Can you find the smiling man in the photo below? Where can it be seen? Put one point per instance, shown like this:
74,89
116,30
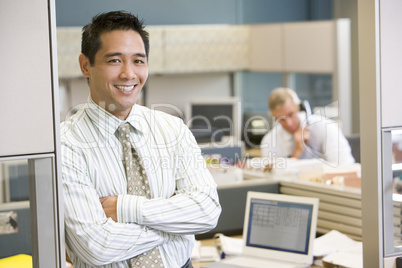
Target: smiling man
118,71
107,222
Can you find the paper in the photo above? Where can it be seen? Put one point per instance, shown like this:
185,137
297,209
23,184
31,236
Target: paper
8,222
351,257
230,245
338,249
195,255
209,253
204,253
332,242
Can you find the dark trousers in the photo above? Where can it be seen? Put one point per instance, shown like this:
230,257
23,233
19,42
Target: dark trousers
188,264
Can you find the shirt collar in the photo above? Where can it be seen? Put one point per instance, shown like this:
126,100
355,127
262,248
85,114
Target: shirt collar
138,119
108,123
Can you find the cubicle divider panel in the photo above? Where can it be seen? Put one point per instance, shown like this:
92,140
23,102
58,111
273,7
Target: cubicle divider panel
340,208
233,202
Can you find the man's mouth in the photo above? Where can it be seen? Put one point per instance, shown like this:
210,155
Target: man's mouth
125,88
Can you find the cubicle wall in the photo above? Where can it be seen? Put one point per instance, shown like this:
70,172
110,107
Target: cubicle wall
339,209
233,201
31,218
380,64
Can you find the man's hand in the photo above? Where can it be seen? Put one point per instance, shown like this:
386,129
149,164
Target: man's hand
301,137
109,204
306,135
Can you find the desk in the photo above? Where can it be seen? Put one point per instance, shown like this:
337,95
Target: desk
253,152
210,242
340,206
206,243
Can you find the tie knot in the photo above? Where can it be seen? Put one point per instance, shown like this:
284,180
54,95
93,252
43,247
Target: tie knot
124,131
125,128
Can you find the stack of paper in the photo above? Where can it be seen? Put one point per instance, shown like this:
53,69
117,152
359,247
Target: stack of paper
230,245
204,253
338,249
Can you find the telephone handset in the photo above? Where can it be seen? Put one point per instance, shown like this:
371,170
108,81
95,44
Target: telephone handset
305,106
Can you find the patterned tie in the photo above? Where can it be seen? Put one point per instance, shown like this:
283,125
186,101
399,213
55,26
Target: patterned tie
137,184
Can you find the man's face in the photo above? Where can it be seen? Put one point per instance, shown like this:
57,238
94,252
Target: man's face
119,72
287,116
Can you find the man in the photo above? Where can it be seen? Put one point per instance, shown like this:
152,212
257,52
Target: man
300,137
105,225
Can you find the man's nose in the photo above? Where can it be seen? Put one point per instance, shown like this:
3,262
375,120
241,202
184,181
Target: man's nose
128,71
288,121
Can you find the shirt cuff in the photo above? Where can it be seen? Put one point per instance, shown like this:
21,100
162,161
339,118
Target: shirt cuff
129,208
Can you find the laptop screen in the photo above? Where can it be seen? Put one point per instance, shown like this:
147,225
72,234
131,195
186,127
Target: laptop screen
279,225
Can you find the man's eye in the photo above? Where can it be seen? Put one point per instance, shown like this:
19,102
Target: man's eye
114,61
139,61
281,118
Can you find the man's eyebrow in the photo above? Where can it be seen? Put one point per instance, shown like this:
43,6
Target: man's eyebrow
114,54
141,55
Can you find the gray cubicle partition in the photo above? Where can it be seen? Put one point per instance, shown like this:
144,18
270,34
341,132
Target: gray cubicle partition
30,134
233,202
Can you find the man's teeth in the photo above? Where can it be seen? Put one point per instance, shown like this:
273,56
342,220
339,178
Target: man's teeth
125,88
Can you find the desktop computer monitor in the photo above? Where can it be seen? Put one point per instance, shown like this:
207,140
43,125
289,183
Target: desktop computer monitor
215,116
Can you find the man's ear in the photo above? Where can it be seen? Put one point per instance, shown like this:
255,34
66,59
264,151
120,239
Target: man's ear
84,65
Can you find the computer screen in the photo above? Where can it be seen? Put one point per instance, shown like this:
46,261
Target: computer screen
219,114
279,225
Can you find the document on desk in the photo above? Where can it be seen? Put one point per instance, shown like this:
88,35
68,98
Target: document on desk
332,242
338,249
351,257
230,245
204,253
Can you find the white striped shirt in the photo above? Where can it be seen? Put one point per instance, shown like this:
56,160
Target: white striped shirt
92,168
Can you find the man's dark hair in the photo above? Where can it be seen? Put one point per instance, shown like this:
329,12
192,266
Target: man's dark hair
107,22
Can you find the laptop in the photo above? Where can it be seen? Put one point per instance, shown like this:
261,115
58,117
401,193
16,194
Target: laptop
279,231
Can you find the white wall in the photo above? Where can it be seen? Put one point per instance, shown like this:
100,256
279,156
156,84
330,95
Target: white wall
176,90
168,93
